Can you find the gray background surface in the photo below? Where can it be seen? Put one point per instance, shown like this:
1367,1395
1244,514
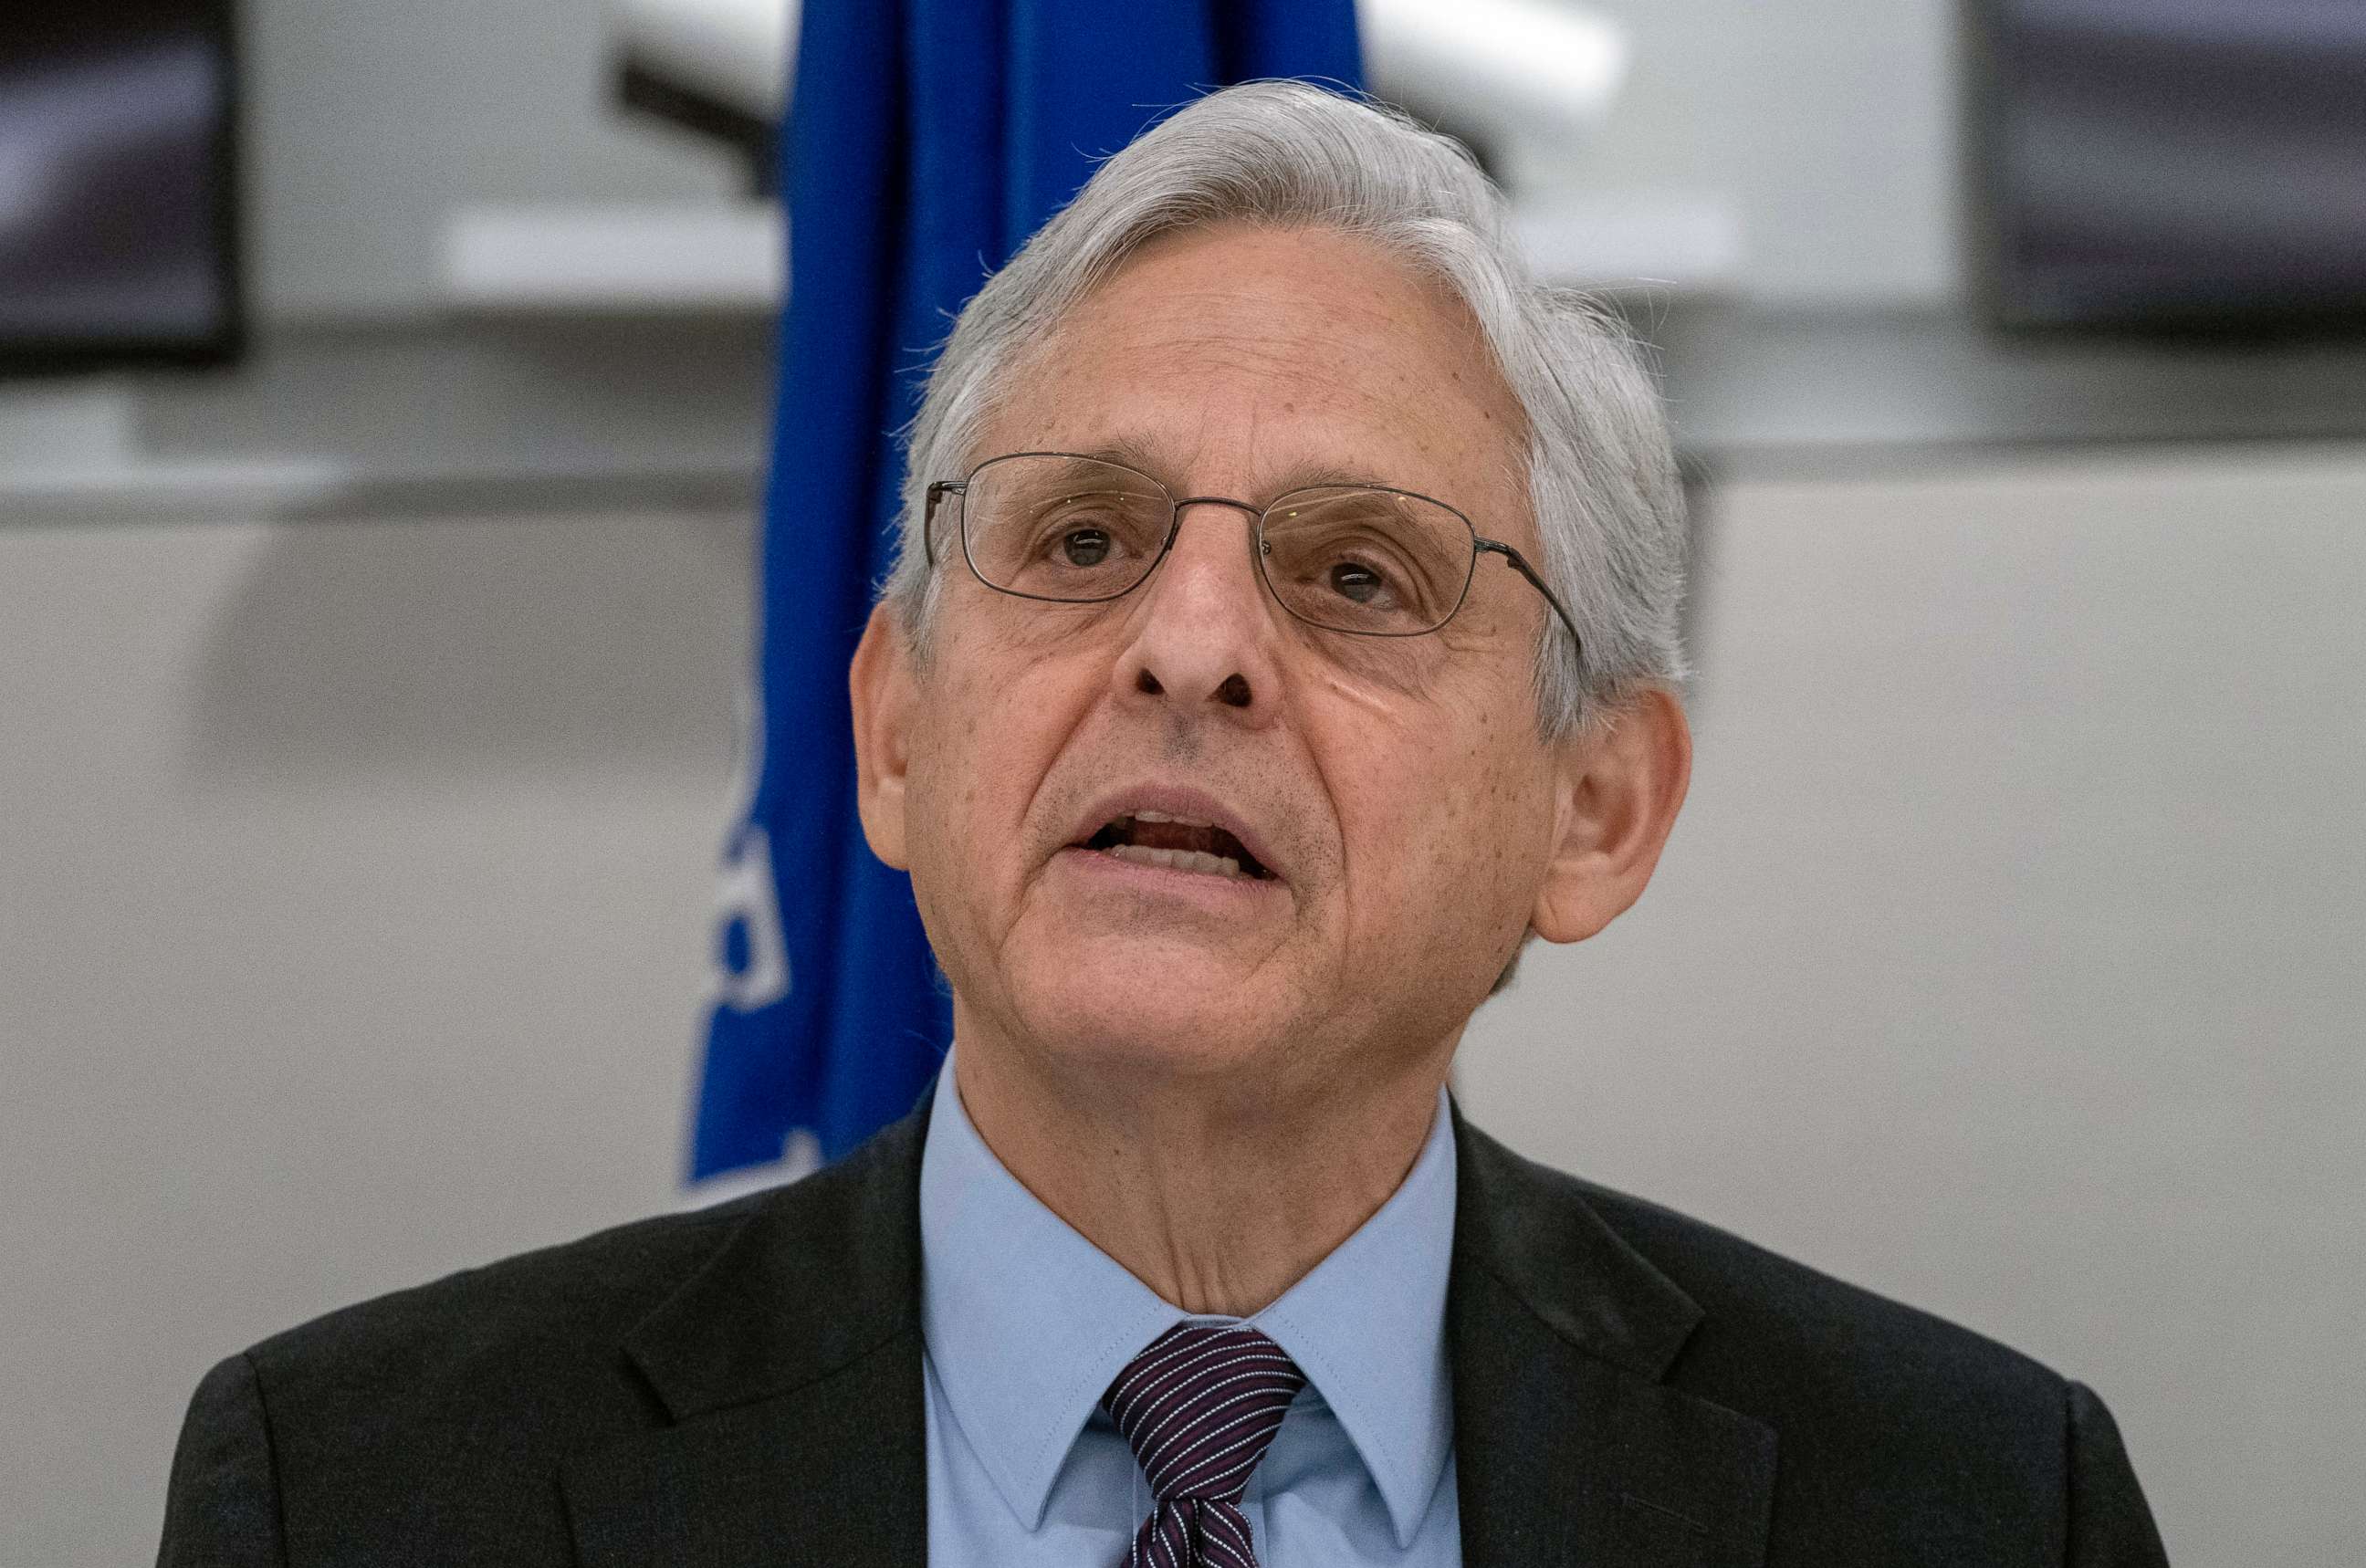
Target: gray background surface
2005,959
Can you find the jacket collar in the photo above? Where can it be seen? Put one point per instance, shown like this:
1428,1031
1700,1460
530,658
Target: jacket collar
789,1367
1568,1444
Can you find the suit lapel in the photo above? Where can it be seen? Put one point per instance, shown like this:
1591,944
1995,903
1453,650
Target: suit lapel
1569,1446
789,1373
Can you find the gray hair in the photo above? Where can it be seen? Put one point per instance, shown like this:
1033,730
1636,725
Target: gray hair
1602,477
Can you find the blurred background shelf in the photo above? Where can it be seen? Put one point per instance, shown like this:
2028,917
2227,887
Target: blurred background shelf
330,421
606,408
584,257
1753,388
531,259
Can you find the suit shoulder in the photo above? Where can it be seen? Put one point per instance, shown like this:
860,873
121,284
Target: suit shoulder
1772,1326
1750,1296
433,1425
483,1327
1903,1437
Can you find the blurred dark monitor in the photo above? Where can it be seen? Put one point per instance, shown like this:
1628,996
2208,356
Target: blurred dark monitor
2172,163
117,211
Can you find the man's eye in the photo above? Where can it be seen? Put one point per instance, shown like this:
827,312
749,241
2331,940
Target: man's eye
1356,582
1085,546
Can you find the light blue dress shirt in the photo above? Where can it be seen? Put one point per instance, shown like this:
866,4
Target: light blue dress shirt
1026,1323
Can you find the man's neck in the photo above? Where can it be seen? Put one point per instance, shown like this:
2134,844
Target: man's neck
1218,1211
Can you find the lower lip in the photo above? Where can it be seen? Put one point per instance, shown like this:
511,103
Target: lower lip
1230,894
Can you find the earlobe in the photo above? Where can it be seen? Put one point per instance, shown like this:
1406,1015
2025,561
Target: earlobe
1618,793
879,686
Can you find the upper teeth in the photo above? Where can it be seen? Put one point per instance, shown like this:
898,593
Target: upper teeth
1163,816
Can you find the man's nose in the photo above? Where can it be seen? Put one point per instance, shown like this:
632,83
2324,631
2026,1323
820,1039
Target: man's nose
1205,635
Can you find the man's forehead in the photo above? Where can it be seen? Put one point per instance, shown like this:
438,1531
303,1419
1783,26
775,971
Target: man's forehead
1284,359
1258,297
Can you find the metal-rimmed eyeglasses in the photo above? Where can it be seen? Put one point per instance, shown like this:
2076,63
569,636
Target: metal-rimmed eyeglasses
1365,559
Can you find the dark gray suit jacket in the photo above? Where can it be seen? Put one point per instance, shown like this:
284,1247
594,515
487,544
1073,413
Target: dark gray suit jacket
741,1388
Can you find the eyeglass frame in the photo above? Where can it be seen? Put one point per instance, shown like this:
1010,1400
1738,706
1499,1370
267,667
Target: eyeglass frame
1480,544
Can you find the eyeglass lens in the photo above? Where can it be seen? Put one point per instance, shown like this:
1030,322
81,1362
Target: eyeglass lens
1376,562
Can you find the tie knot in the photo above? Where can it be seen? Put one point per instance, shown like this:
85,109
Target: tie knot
1200,1406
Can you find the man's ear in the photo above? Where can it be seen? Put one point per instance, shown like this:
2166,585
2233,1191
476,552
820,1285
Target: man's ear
879,683
1619,788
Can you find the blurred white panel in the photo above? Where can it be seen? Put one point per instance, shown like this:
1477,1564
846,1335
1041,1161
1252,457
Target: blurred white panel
691,255
73,426
739,52
1531,78
1672,243
733,257
230,488
76,451
1832,123
371,123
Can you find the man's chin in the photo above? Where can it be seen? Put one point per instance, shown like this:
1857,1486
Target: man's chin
1112,975
1148,1008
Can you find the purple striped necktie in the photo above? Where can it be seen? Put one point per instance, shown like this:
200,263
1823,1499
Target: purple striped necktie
1198,1408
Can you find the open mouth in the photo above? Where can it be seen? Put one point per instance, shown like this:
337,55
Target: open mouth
1179,843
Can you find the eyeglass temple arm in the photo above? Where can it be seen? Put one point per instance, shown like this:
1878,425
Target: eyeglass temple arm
1520,564
938,491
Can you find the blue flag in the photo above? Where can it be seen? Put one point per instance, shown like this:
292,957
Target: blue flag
928,138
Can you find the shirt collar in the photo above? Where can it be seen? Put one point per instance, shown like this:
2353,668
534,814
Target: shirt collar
1027,1322
1367,1327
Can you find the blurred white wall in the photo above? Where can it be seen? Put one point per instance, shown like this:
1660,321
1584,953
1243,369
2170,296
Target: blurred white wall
2006,958
353,879
354,892
1829,124
367,123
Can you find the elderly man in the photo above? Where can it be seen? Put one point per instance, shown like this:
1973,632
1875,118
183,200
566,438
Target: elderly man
1284,634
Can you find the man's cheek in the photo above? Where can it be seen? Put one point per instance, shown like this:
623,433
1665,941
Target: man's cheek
1454,858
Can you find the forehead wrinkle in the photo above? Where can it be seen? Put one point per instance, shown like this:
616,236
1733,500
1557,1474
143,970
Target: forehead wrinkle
1151,441
1168,323
1347,323
1360,367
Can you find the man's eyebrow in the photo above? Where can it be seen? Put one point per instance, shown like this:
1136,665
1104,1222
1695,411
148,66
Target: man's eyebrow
1130,453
